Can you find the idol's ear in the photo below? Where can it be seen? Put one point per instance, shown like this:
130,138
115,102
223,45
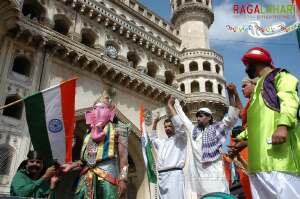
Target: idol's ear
113,113
89,117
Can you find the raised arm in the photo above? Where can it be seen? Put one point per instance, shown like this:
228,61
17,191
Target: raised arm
233,112
123,160
171,103
237,101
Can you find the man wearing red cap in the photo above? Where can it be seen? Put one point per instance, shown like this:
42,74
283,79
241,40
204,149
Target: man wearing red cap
273,138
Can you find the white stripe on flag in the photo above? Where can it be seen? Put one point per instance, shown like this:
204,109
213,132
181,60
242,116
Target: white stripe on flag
144,143
55,124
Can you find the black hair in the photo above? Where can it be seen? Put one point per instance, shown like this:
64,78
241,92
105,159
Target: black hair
168,120
34,155
236,131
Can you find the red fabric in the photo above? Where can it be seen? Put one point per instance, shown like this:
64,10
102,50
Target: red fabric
244,114
298,4
68,112
257,54
227,169
244,180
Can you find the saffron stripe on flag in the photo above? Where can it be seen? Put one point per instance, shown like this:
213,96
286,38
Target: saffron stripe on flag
68,112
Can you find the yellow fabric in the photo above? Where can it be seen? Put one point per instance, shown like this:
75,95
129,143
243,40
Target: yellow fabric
243,135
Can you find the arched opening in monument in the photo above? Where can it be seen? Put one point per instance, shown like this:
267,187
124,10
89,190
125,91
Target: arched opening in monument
34,10
182,87
220,89
22,65
152,69
193,66
209,86
206,66
218,68
62,24
88,37
195,87
181,68
14,111
169,77
133,59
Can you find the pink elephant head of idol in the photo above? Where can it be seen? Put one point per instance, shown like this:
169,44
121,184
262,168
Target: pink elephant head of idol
98,118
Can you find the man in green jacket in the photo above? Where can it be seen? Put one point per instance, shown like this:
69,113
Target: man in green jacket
30,181
273,129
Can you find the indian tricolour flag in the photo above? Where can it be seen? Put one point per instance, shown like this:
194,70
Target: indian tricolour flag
147,149
297,4
50,118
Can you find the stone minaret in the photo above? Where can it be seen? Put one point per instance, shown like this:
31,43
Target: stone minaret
200,73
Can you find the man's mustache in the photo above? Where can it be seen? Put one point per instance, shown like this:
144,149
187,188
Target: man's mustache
34,167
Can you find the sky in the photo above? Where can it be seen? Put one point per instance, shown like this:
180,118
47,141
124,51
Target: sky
284,49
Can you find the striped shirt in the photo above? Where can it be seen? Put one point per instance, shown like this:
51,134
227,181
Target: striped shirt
214,135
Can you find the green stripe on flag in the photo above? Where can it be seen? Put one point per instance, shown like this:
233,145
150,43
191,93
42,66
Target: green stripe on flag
150,162
35,115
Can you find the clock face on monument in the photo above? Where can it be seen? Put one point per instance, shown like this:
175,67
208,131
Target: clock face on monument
111,51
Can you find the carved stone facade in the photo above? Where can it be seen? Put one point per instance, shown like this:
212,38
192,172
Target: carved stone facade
115,45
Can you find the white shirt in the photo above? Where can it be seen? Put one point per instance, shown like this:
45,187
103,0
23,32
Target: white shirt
205,177
171,152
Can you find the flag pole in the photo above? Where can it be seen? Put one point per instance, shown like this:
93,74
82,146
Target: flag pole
20,100
149,189
11,104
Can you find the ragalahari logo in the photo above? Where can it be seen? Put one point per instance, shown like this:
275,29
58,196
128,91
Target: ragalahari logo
257,12
260,10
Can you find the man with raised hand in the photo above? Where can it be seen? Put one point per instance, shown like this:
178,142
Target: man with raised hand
171,155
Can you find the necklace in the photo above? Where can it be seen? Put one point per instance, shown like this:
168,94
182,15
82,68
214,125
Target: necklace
91,153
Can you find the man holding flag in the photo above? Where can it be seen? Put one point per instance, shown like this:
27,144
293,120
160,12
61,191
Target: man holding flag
171,155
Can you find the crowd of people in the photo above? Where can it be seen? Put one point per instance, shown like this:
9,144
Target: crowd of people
264,149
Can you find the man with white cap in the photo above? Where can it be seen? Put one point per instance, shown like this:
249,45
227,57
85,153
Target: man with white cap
206,171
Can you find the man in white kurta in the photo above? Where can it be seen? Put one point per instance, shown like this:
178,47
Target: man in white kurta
206,171
171,155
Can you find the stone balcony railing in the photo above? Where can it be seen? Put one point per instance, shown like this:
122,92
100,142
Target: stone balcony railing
92,60
196,74
206,97
205,53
